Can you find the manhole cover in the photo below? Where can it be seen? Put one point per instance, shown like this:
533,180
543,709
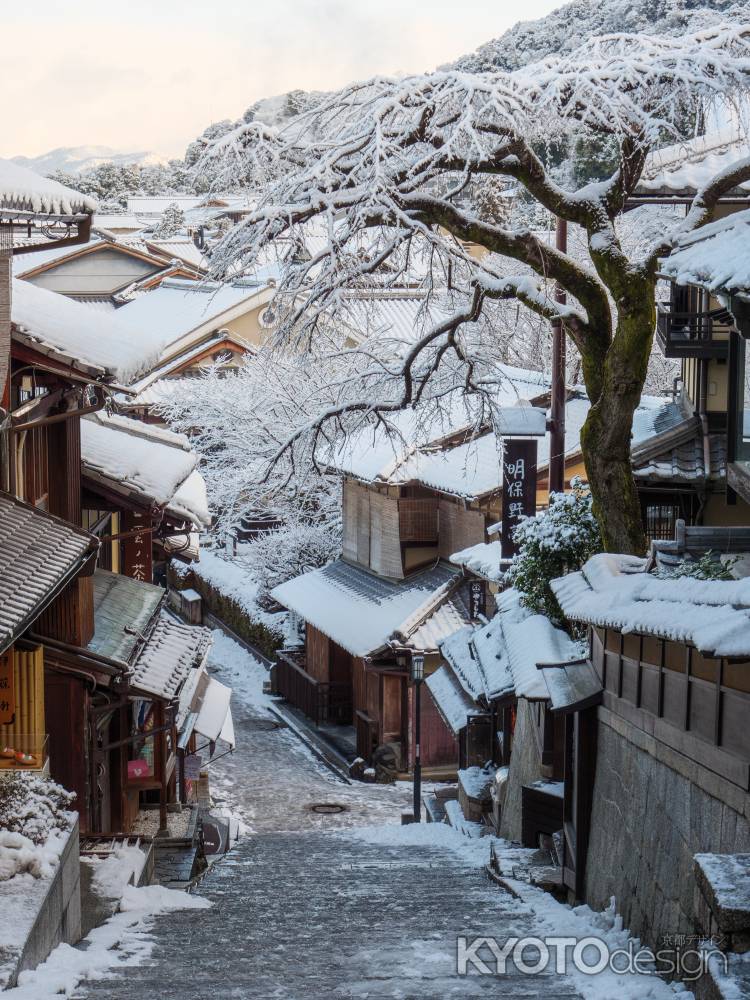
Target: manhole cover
262,725
327,808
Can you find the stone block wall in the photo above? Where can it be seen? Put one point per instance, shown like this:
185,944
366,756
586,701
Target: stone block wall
665,809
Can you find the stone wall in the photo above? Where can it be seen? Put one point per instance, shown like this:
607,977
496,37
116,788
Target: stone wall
525,768
58,918
665,808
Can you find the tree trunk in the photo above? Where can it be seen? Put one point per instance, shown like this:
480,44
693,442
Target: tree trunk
605,443
606,435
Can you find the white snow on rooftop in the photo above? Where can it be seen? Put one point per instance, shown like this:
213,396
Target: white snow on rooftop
191,500
504,653
614,591
360,611
178,308
687,166
178,249
135,456
716,256
96,339
110,222
27,191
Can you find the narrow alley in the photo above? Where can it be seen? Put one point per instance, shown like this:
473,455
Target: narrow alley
307,907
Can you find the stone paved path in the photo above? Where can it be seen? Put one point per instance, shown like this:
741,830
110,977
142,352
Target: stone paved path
303,909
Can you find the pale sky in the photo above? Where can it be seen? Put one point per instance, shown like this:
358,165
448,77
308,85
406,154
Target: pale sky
151,74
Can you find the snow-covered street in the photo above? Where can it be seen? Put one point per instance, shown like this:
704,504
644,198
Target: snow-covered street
339,905
305,906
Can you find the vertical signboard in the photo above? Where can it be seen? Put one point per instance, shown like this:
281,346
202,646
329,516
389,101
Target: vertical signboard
519,489
478,599
7,692
136,546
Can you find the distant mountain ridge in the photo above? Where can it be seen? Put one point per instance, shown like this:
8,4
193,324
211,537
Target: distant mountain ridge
82,159
570,26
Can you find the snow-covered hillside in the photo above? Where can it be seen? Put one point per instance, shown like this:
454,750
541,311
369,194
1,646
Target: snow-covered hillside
566,28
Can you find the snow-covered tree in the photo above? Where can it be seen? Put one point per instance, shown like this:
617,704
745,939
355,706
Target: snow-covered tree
372,161
172,221
238,419
557,541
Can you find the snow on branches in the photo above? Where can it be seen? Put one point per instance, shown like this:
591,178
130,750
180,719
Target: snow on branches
383,174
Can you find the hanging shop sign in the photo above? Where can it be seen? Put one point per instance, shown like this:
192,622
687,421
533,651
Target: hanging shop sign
519,490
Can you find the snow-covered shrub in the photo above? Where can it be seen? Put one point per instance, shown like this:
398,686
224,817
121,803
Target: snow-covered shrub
34,821
33,806
708,567
557,541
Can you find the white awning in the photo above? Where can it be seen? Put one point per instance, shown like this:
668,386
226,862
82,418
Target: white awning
213,711
227,731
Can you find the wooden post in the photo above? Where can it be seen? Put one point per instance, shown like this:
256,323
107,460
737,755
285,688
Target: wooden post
5,297
161,761
557,432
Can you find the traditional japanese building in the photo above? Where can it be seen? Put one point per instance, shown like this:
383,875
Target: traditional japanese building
92,667
394,595
104,272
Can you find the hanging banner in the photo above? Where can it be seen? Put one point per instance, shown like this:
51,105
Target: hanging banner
7,689
519,490
136,548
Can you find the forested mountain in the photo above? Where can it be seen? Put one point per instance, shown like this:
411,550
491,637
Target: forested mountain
568,27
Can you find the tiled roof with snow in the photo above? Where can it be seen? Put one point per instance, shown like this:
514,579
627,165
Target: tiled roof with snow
27,191
483,559
687,166
191,500
467,470
111,222
452,701
504,653
715,257
171,651
99,341
139,458
179,249
614,592
362,612
178,308
39,553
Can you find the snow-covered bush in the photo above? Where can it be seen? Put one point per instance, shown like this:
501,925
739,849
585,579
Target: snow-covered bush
34,819
33,806
707,567
557,541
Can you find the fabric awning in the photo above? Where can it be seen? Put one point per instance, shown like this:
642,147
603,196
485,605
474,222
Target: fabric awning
453,703
213,710
227,731
572,686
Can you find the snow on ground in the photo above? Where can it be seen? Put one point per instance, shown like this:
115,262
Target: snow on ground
113,873
120,942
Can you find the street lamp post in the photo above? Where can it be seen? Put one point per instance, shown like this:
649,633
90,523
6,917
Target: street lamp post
417,676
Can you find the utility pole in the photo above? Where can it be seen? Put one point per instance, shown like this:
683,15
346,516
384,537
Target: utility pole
557,423
417,676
